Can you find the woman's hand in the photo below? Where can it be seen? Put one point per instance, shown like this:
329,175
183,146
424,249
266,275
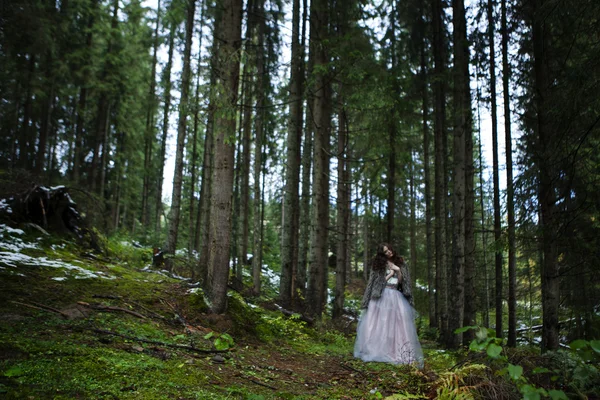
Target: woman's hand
393,267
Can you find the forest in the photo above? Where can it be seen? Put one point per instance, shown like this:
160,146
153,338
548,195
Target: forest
235,165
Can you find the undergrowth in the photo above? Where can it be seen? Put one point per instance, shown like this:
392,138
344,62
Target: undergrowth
109,326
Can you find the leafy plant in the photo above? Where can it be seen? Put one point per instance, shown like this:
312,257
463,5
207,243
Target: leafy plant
223,341
485,339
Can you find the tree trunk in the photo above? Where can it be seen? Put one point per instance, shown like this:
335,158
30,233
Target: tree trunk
413,219
462,122
289,251
427,176
550,267
439,132
496,175
258,153
248,91
171,244
221,196
307,152
193,228
321,115
510,205
46,119
103,108
149,133
208,163
342,212
165,130
25,158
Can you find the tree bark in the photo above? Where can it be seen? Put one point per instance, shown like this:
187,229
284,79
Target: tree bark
165,129
258,154
343,212
289,251
321,116
427,174
173,231
221,197
546,197
149,132
462,122
496,175
510,205
439,193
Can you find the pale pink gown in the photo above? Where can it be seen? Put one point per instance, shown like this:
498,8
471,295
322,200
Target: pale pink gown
386,330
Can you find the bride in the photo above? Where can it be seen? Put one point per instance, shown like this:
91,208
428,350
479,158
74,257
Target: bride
386,331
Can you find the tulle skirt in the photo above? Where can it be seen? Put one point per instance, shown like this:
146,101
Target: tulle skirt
386,331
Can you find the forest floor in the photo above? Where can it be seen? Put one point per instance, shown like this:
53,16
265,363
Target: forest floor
79,325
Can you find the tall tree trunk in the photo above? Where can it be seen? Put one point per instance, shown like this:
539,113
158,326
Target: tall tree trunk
289,251
439,133
149,132
427,176
413,218
221,196
307,152
496,175
171,244
462,122
484,266
208,162
258,153
193,228
342,212
25,158
165,130
46,120
105,153
248,91
550,267
321,116
103,108
510,205
470,294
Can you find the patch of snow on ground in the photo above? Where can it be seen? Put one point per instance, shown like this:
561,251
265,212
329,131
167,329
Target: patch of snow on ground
11,256
10,242
18,259
5,207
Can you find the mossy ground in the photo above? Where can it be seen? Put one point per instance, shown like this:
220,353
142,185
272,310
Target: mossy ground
75,325
46,354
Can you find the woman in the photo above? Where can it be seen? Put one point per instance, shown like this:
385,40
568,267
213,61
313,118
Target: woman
386,331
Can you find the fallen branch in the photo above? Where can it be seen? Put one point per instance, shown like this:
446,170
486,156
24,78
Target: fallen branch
102,307
289,313
42,307
260,383
352,369
173,345
148,310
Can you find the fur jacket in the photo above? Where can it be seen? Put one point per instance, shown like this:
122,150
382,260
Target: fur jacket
377,283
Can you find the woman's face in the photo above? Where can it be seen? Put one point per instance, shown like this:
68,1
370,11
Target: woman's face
389,253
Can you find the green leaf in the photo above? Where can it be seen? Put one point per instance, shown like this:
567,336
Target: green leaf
476,346
530,392
515,371
494,350
578,344
481,334
209,335
557,395
14,371
595,345
464,329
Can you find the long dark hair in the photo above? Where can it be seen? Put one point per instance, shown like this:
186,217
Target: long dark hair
381,259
